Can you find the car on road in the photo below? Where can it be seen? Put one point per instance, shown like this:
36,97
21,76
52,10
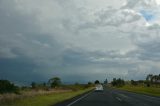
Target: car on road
98,87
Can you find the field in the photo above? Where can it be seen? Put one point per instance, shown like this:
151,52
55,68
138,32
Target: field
41,99
154,91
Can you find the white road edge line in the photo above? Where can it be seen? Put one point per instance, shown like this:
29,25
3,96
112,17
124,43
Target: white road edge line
79,99
119,99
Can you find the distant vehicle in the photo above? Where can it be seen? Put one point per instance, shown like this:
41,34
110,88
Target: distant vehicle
99,87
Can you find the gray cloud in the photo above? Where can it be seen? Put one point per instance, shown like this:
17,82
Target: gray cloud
140,4
77,40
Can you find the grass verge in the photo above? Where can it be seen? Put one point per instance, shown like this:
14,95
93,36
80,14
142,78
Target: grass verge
153,91
45,100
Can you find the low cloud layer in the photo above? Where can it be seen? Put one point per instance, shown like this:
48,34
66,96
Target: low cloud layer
80,40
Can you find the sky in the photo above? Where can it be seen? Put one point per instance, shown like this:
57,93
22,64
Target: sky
79,40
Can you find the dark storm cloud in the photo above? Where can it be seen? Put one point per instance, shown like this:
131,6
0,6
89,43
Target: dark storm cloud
20,70
24,49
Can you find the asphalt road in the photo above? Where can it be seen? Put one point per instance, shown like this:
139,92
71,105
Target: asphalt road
110,97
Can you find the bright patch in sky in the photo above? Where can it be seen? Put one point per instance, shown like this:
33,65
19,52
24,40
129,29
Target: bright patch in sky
148,15
158,2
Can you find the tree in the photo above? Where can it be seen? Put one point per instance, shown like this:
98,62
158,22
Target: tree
44,84
33,85
89,83
55,82
118,82
76,83
96,82
149,80
134,82
149,77
114,82
8,87
106,81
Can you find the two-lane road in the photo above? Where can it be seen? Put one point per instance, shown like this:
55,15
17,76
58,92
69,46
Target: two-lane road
111,97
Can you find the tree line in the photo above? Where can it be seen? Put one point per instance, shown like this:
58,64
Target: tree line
151,80
56,82
53,83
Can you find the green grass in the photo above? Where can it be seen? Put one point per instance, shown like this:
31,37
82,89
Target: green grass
153,91
45,100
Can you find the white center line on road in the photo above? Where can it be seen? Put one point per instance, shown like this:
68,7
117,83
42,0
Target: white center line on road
79,99
119,99
123,95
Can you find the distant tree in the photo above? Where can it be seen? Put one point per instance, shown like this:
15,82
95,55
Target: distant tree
134,82
44,84
76,83
55,82
8,87
118,82
149,80
114,82
141,81
33,85
156,79
106,81
89,83
149,77
97,82
152,80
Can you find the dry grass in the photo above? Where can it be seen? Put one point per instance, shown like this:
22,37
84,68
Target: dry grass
10,97
39,98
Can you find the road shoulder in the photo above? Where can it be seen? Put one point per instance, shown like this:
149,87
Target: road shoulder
72,100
